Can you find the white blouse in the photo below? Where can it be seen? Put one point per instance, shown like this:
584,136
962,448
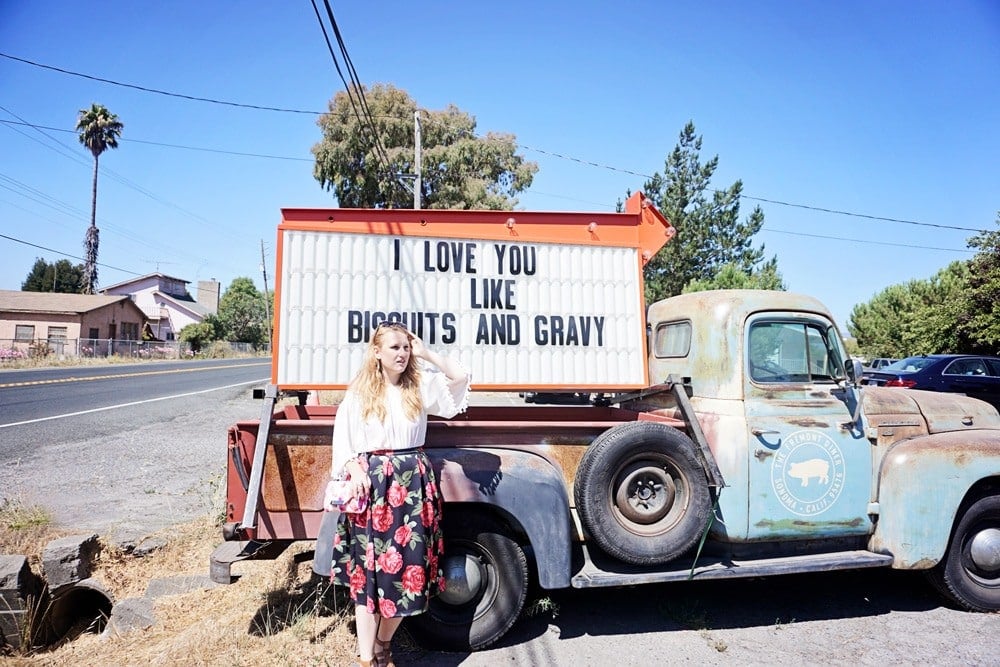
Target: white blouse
352,436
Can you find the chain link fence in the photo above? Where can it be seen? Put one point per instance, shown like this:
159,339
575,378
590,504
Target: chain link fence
62,348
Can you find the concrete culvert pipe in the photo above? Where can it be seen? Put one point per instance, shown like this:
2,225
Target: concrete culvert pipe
75,609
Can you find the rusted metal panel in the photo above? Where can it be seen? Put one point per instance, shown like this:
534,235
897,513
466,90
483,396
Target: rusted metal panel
921,485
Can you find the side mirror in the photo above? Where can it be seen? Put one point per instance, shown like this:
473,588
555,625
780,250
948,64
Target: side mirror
854,372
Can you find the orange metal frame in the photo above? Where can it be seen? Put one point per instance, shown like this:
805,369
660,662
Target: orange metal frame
641,226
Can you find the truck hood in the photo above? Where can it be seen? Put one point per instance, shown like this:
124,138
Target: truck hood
941,412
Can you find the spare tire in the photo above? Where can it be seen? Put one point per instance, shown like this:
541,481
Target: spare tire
642,494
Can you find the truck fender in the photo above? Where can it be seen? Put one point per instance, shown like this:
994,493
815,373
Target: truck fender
922,483
526,487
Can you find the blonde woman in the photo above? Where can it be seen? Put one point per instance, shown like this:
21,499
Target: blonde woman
388,553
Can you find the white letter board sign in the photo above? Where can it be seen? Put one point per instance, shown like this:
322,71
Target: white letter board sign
518,314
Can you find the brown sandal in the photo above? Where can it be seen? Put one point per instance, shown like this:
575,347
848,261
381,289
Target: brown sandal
383,653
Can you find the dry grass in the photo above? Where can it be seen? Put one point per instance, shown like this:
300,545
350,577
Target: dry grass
51,361
278,612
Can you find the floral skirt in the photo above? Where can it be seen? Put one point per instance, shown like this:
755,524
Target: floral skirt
389,554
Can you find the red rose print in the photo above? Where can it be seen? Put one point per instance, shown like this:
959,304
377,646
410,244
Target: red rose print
360,519
427,514
381,517
387,608
396,495
414,579
387,467
430,489
357,581
370,606
370,556
391,561
403,535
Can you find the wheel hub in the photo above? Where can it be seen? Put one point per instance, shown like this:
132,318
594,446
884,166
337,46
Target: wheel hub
645,494
984,550
463,578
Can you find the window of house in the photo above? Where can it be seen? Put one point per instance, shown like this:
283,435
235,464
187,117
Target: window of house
57,333
24,332
130,331
93,332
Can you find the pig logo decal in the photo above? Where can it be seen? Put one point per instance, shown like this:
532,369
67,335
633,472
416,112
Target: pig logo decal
808,472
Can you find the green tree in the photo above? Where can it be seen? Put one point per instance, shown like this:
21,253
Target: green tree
979,328
200,334
458,169
99,130
60,276
709,232
241,313
731,276
918,317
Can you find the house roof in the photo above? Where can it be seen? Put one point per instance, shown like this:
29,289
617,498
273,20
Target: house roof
55,302
132,281
188,303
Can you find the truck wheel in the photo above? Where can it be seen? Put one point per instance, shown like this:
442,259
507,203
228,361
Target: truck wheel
486,583
642,494
969,575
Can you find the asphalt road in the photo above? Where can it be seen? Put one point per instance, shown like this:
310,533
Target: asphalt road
123,450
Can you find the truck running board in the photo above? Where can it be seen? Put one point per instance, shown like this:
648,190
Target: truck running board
621,574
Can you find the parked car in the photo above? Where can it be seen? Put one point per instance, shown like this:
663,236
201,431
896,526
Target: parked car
879,363
975,376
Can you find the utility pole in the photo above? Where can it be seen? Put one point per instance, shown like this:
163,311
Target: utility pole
416,158
267,305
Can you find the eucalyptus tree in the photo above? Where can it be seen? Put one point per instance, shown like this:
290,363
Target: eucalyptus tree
367,155
99,130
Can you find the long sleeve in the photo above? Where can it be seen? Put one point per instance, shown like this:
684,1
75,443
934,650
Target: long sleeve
345,430
442,396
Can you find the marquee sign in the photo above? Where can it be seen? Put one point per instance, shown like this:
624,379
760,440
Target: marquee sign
525,300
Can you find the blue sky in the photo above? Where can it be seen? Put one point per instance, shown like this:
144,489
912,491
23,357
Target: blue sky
886,109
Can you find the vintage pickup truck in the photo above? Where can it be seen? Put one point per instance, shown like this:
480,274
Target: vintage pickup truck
752,451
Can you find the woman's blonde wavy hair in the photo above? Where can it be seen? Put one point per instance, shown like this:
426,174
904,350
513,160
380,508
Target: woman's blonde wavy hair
369,383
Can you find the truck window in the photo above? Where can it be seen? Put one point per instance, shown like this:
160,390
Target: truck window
672,339
793,352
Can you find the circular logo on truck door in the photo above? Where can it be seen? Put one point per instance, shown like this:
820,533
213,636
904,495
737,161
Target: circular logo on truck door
808,472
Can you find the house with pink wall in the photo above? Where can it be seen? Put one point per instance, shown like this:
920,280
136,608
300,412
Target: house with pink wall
167,303
55,319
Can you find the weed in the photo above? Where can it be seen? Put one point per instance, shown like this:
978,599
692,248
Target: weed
543,605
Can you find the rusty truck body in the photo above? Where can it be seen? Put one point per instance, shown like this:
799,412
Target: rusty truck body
751,450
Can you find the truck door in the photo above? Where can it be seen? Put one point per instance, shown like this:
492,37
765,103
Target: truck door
809,470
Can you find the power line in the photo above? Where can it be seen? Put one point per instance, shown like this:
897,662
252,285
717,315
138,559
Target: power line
353,88
158,143
156,91
59,252
383,159
865,241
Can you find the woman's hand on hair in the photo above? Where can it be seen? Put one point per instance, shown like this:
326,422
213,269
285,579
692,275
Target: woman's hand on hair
417,348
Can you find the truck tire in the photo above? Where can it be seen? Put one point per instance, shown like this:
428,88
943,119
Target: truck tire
642,494
969,574
486,576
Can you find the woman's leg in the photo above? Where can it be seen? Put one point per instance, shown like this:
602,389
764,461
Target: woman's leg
367,624
383,640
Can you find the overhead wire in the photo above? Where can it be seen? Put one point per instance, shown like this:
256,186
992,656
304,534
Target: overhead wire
562,156
353,88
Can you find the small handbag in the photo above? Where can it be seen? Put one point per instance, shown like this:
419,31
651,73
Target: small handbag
339,497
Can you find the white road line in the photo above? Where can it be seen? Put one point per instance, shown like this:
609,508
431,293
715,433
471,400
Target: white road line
126,405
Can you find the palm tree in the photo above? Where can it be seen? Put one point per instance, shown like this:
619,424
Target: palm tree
99,130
